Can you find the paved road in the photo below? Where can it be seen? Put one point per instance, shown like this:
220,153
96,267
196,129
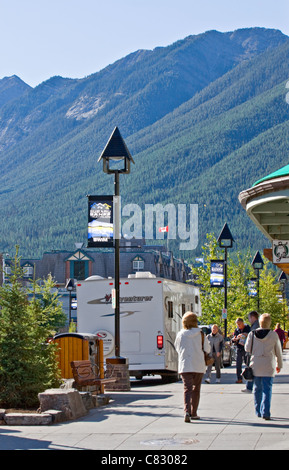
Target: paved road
150,418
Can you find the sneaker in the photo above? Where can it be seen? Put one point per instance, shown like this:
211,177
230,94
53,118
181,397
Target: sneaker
239,381
187,418
245,390
208,381
195,417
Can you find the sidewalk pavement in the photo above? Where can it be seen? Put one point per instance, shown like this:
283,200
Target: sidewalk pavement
150,418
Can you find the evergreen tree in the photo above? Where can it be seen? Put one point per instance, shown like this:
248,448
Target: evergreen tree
28,363
46,303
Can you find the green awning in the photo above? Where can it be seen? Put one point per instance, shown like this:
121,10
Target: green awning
282,172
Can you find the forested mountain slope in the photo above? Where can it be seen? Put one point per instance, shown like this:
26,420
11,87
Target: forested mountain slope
203,118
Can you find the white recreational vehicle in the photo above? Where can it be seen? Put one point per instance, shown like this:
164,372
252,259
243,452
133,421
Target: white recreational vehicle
151,310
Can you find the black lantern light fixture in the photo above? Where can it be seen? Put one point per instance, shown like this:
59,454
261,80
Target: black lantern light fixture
116,157
257,262
69,287
225,238
282,278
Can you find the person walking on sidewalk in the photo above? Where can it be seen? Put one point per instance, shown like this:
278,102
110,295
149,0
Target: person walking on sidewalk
216,341
191,362
266,348
239,338
281,334
253,318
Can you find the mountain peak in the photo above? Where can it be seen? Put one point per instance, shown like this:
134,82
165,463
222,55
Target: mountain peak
11,88
257,39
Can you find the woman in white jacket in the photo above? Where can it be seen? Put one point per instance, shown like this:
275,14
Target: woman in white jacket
192,365
266,348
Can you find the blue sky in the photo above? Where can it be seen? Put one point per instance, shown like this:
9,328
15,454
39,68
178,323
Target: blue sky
73,38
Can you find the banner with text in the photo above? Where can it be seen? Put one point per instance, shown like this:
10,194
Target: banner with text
217,275
100,221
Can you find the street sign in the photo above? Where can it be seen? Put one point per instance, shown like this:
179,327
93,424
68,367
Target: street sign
280,251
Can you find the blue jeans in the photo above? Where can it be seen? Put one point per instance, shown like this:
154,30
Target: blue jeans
249,385
262,396
239,361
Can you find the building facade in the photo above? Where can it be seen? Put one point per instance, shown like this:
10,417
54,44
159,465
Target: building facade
81,263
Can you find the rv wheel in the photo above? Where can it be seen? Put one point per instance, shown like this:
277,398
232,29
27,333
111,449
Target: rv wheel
138,376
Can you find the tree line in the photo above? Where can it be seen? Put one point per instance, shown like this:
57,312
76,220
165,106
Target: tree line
239,302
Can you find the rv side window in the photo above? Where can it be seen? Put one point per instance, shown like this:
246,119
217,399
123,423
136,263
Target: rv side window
170,309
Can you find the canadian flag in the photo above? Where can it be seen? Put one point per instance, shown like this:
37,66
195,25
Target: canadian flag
164,229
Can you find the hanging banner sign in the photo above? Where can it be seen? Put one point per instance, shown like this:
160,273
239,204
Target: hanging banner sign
252,287
280,251
100,221
217,275
113,298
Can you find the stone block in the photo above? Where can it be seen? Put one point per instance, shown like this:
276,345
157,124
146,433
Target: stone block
57,415
28,419
68,401
87,400
120,373
101,400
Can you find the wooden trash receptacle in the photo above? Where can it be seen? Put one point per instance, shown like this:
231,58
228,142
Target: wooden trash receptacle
74,347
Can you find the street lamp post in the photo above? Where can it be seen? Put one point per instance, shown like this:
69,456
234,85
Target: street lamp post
283,281
258,264
225,241
116,159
